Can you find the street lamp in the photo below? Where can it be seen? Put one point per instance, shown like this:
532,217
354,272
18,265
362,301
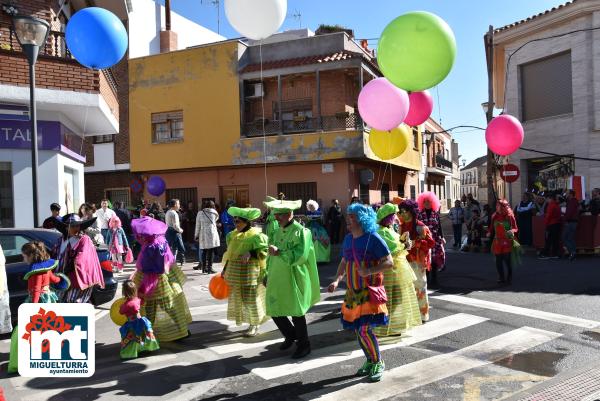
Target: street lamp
32,33
486,107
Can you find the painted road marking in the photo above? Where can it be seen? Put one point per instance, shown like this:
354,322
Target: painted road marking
472,386
339,353
517,310
429,370
101,314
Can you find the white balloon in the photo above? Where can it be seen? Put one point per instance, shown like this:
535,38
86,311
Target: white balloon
256,19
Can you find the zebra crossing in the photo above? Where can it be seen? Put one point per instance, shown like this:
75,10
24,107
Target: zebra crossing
217,360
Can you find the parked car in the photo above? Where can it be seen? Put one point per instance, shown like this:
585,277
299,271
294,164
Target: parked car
12,239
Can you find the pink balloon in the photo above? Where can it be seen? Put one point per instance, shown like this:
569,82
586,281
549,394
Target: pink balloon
504,135
382,105
421,106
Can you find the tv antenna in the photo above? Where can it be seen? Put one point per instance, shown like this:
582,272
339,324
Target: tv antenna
217,4
297,16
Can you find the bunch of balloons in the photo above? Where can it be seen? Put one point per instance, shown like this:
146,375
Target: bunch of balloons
416,52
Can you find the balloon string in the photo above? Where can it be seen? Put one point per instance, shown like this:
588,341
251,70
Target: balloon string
262,101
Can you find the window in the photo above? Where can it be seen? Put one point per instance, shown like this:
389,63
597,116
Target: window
415,133
422,186
11,246
167,127
299,190
413,192
118,195
546,87
104,139
385,193
401,190
7,217
363,193
184,195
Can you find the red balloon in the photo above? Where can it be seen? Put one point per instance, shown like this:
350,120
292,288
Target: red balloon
421,106
504,135
218,287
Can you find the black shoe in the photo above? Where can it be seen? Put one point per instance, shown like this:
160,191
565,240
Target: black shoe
198,267
287,344
210,270
501,280
301,351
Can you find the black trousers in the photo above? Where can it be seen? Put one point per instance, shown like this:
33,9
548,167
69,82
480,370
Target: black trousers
501,260
207,257
552,246
298,331
457,229
334,232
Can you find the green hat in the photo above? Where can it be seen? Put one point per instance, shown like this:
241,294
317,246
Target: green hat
248,213
283,206
268,199
385,210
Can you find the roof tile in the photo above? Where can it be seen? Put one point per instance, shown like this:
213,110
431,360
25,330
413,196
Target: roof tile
528,19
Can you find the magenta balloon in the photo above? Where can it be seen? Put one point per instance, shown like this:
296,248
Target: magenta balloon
382,105
504,135
421,106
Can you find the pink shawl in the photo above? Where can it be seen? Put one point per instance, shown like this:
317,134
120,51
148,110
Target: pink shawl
88,272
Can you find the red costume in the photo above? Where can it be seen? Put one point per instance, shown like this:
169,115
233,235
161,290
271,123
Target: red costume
422,242
501,224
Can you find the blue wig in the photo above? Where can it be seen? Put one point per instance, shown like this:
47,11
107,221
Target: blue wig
365,215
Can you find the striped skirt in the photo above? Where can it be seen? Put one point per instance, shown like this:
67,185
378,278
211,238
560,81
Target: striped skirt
403,306
75,295
247,304
167,307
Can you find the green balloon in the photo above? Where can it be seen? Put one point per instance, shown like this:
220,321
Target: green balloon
416,51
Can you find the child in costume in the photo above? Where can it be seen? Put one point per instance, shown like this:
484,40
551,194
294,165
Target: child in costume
504,246
160,282
419,255
117,243
78,259
319,233
41,286
245,269
429,206
293,280
402,304
136,334
365,259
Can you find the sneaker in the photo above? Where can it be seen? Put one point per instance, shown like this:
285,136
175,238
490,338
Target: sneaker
543,257
287,344
365,369
301,351
376,372
252,331
572,257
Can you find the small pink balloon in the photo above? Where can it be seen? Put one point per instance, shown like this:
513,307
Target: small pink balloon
421,106
504,135
382,105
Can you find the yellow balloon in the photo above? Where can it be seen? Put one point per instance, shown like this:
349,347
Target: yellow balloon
115,315
388,145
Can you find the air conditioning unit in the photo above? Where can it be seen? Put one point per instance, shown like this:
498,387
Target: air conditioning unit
254,90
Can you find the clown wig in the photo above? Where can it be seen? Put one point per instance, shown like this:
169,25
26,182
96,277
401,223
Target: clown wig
115,222
312,205
365,215
432,198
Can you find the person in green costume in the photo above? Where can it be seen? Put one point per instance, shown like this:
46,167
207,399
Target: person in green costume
245,269
402,303
293,280
271,225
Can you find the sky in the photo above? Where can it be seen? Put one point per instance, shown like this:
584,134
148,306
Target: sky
465,88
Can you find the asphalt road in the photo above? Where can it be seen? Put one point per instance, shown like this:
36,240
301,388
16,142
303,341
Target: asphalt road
484,342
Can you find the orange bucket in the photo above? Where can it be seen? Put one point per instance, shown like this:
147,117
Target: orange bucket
218,287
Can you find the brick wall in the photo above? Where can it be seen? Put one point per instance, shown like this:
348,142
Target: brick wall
96,183
109,95
121,73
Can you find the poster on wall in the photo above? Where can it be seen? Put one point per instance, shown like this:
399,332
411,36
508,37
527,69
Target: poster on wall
550,173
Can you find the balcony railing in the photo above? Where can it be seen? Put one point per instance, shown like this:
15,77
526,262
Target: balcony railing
338,122
56,45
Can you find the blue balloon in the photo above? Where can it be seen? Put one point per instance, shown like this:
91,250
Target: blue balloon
96,38
155,186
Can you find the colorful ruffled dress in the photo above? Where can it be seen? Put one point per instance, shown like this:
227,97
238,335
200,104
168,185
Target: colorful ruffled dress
247,294
402,304
136,334
419,257
320,237
41,286
357,309
160,282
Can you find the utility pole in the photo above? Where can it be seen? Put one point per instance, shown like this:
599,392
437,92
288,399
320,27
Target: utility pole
491,162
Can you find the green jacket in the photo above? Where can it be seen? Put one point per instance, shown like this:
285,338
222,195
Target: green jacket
293,279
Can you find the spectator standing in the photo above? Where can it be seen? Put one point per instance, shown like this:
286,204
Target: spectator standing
174,231
552,220
571,220
524,213
457,217
51,222
104,214
207,235
334,221
595,202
